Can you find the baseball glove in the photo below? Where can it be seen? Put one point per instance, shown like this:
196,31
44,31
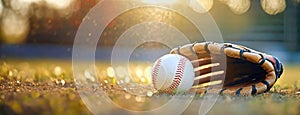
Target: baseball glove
238,69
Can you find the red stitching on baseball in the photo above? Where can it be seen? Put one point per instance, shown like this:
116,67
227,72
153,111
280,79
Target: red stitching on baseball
178,75
155,72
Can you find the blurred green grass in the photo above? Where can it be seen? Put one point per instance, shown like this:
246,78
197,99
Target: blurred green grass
47,87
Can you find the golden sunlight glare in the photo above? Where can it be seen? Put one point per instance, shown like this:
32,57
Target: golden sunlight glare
139,72
147,74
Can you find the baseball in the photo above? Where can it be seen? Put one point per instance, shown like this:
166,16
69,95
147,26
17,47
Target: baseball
172,73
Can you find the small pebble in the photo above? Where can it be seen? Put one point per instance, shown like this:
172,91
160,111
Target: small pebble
149,93
63,82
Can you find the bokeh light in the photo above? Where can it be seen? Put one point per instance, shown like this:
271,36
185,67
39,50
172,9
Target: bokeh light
41,16
110,72
18,16
22,7
1,7
14,27
127,96
57,71
239,6
139,72
59,4
273,7
120,72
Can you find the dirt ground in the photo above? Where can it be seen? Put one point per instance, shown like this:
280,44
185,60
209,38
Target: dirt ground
47,87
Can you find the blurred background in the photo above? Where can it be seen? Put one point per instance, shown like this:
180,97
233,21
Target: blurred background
37,36
45,29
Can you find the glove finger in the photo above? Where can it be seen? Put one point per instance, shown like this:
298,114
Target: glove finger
247,71
201,62
211,77
188,52
202,70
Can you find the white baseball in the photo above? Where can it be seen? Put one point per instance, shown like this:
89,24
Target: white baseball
172,73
